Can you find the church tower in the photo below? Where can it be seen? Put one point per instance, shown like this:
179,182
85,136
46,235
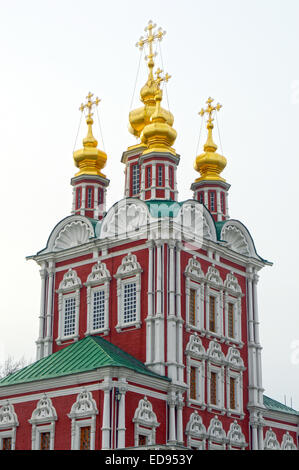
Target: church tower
148,326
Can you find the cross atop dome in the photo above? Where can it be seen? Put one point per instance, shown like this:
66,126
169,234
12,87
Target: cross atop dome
151,37
89,104
210,109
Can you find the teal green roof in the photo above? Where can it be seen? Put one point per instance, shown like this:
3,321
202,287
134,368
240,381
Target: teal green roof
163,208
219,226
274,405
90,353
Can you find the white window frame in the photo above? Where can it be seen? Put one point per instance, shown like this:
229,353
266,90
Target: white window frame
145,426
128,272
218,295
69,287
238,376
195,280
43,420
37,430
219,371
8,424
228,299
195,437
83,414
98,280
200,382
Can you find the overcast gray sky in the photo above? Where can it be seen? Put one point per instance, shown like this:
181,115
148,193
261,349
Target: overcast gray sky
245,54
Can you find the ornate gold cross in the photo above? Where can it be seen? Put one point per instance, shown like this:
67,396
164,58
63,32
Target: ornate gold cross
161,79
89,104
210,109
150,38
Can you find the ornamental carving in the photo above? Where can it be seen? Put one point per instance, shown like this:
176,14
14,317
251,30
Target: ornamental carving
235,239
213,276
145,415
44,411
129,265
195,427
216,431
85,406
8,417
234,359
70,281
193,221
231,282
235,435
99,274
288,442
195,348
193,269
215,353
125,217
271,442
73,234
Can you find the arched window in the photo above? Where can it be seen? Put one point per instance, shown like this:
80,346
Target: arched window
97,285
145,424
128,292
43,425
8,427
68,306
83,416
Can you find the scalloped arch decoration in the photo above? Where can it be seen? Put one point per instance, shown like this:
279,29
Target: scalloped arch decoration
73,234
125,217
235,239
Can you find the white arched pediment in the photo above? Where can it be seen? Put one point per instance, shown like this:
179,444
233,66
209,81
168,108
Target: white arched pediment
144,414
84,406
8,417
235,436
196,221
195,427
70,232
125,217
195,348
271,442
44,411
238,238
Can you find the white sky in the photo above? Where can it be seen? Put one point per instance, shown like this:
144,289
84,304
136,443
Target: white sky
242,53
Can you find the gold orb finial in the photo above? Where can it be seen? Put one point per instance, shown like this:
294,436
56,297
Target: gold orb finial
210,164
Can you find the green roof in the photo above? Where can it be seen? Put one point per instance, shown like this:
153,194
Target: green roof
90,353
274,405
163,208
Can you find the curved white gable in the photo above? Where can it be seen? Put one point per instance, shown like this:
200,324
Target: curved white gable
127,216
238,238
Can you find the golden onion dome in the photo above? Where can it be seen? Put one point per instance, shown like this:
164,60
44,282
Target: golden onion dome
210,164
90,160
158,135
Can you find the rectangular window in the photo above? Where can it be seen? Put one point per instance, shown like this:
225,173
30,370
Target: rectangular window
148,176
193,383
192,306
212,201
78,198
100,196
98,310
213,388
142,440
222,203
201,198
160,175
6,443
135,186
171,177
89,198
231,332
232,393
130,301
85,438
69,316
212,324
45,441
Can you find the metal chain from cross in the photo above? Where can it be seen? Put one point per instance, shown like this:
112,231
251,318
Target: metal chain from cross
210,109
89,104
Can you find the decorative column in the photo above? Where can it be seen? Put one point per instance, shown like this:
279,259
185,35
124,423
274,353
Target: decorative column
180,404
121,429
150,304
49,339
171,318
106,425
171,400
39,343
180,322
159,316
257,341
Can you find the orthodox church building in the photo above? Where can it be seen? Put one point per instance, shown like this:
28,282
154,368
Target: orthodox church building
148,325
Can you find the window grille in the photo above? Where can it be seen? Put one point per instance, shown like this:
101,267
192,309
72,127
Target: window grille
129,302
69,316
98,320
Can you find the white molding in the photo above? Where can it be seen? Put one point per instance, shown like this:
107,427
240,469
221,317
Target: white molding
145,422
83,414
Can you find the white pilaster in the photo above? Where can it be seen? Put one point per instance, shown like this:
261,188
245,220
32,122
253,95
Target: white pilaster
49,339
42,317
106,425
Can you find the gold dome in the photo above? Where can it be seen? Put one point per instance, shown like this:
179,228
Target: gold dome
90,160
158,135
210,164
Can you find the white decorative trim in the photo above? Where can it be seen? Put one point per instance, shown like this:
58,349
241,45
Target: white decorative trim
195,280
73,234
271,442
145,422
213,277
43,420
68,288
216,435
129,272
234,359
288,442
8,424
98,280
236,437
196,432
84,407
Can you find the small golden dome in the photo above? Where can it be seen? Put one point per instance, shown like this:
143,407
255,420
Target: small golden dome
210,164
158,135
90,160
